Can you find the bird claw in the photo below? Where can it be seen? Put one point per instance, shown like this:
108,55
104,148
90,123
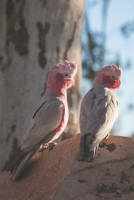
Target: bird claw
51,145
48,146
107,136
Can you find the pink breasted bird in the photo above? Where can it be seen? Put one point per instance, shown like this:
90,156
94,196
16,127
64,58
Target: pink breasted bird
99,110
51,116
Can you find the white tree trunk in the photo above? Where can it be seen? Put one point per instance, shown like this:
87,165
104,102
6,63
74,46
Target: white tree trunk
34,36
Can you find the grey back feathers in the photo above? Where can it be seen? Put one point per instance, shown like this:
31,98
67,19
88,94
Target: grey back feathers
45,120
99,110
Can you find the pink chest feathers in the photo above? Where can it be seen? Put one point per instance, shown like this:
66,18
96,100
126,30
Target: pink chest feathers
64,121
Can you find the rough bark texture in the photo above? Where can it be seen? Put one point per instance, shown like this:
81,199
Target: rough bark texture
34,36
57,174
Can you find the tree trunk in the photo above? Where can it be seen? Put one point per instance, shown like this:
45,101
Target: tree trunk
34,36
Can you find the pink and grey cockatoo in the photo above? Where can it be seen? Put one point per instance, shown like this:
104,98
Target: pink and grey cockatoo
99,110
50,118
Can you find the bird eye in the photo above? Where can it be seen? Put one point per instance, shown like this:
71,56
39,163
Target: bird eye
113,77
66,75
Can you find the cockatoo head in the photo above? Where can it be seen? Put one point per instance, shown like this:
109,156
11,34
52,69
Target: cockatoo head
109,76
62,75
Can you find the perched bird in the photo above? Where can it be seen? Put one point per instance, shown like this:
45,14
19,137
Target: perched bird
99,110
51,116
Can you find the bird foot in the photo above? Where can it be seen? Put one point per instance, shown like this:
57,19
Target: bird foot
51,145
107,136
48,146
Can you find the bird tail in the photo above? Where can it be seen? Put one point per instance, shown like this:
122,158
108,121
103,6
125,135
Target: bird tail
90,154
19,165
87,149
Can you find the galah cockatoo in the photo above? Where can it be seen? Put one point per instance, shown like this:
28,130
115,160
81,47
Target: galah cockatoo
51,116
99,110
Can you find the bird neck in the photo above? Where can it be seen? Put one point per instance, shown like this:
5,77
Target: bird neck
56,86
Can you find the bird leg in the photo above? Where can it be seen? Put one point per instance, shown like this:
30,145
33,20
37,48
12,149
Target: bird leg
48,146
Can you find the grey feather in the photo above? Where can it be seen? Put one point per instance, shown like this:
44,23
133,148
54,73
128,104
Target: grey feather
20,164
99,111
45,120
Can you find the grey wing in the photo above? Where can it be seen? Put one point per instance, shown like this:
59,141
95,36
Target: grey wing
99,111
45,120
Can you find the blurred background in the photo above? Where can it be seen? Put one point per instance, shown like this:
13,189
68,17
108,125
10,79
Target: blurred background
37,34
108,37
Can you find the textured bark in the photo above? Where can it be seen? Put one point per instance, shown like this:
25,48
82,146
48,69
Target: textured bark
34,36
57,174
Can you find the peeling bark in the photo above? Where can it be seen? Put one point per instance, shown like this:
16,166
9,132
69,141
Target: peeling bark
16,28
70,41
34,36
42,42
